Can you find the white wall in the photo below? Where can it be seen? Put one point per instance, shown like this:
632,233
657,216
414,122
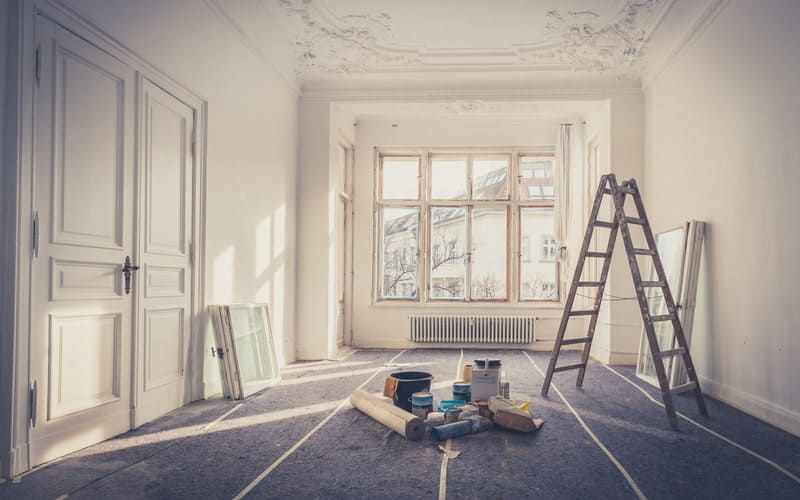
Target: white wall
251,148
722,146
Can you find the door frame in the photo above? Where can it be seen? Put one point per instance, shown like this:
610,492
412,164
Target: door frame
16,221
347,234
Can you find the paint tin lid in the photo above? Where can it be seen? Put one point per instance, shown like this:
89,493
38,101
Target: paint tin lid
493,363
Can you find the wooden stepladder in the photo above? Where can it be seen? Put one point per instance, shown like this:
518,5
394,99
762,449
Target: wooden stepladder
609,187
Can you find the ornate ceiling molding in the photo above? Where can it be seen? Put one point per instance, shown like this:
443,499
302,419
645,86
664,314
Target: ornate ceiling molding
579,41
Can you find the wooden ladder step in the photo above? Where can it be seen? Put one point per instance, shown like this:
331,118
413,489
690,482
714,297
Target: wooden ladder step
590,312
636,220
590,283
672,352
568,367
600,255
653,284
662,317
579,340
602,223
644,251
683,388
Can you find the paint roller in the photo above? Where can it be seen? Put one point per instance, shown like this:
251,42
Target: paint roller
402,422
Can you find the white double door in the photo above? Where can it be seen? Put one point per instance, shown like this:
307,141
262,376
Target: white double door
113,181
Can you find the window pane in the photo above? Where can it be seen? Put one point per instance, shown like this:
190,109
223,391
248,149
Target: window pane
448,252
489,251
538,263
490,179
255,352
536,178
400,179
448,179
400,249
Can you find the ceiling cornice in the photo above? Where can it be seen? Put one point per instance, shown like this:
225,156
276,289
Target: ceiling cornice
696,28
285,75
577,41
455,95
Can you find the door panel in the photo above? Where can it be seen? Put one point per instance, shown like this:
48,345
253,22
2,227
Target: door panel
74,280
166,169
89,109
84,363
165,306
83,195
163,347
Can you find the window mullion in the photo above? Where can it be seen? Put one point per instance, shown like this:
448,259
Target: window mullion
469,249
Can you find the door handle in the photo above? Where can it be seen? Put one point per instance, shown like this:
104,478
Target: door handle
127,270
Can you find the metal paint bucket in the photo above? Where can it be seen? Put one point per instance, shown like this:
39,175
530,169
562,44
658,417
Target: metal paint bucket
462,390
421,404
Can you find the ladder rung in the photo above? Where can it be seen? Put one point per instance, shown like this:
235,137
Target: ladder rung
644,251
653,284
636,220
607,191
583,313
579,340
601,255
662,317
602,223
683,388
590,283
672,352
568,367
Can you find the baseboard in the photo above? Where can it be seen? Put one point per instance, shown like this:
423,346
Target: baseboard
609,357
780,417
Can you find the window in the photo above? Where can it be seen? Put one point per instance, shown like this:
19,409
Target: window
445,227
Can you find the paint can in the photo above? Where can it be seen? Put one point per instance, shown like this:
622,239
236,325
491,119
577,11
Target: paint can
451,415
407,383
421,404
462,390
466,373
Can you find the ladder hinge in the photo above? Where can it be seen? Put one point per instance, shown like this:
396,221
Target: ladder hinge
35,235
33,396
38,64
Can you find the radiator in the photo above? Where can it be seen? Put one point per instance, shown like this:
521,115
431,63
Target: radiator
472,329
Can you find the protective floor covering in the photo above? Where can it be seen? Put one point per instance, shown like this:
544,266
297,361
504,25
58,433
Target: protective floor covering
301,439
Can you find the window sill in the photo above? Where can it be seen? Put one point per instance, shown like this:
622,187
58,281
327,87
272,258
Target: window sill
464,306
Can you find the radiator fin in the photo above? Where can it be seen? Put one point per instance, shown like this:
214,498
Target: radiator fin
471,329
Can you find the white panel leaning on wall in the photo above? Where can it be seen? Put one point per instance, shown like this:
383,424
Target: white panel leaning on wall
245,348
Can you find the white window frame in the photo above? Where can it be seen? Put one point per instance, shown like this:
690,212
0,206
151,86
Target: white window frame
425,203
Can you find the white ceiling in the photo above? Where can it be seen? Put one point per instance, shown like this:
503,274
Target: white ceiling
341,43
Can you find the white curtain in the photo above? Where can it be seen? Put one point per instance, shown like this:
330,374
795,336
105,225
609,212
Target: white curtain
561,179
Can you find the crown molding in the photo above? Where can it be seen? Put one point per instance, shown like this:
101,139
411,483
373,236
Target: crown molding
576,41
700,24
286,76
461,95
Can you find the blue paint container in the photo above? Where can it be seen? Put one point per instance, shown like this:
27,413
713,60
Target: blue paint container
463,391
421,404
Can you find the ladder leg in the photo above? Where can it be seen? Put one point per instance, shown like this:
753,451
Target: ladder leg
671,309
598,300
562,327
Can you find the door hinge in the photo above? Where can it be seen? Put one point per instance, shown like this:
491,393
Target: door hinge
194,143
35,235
191,253
33,402
37,72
